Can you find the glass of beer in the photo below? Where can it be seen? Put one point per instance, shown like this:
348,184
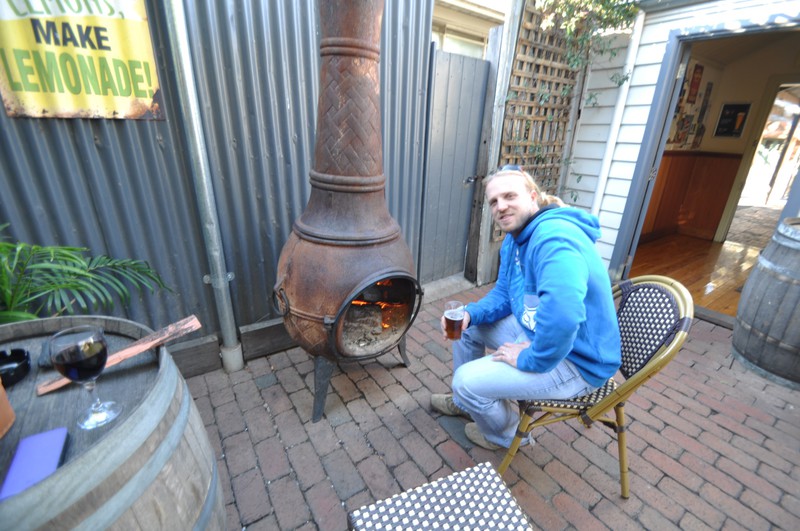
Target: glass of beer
453,317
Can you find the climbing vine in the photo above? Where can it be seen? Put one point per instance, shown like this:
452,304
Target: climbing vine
583,22
557,41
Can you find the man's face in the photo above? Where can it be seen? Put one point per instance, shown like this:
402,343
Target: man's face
511,202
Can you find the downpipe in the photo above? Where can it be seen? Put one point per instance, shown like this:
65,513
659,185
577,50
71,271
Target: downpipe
219,278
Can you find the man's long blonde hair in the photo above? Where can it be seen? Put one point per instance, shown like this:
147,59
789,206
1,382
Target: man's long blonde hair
543,199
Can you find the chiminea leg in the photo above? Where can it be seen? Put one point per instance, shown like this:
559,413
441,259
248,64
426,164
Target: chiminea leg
401,346
323,369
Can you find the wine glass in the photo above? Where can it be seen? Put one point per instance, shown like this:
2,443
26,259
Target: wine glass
79,354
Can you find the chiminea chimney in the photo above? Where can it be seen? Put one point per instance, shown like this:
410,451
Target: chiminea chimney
346,284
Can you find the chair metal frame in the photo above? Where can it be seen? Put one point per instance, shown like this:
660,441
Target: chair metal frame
638,367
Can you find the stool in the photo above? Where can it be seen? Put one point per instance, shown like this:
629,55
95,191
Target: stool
476,498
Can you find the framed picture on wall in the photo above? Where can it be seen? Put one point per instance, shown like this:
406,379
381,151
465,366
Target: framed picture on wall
732,118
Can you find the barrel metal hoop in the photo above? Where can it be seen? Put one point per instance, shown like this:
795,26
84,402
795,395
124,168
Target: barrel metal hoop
768,338
207,512
784,241
789,228
120,502
783,274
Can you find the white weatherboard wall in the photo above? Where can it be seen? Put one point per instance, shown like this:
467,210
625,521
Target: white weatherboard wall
688,19
592,136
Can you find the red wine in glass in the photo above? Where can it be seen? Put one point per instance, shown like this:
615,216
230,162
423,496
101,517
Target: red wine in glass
72,365
80,354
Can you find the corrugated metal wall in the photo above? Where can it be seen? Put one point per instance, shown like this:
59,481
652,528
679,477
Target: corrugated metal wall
405,72
117,187
256,66
125,188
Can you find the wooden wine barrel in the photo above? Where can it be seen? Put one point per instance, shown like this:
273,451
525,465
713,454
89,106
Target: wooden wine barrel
767,327
151,468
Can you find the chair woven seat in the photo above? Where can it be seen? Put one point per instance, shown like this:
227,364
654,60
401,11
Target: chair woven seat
655,314
579,402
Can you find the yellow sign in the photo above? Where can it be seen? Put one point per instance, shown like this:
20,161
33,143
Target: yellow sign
77,59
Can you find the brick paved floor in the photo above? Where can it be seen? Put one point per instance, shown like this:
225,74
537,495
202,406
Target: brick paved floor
712,445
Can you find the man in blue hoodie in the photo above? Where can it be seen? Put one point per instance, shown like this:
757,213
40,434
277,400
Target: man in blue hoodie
550,318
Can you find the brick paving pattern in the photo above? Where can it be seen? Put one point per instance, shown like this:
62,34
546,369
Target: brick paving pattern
711,444
754,225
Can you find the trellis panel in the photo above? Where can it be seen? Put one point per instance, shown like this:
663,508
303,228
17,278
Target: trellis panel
538,106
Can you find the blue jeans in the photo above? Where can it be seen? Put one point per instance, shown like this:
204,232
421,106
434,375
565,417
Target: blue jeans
489,389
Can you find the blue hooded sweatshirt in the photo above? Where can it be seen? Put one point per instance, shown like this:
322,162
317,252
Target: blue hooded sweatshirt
555,283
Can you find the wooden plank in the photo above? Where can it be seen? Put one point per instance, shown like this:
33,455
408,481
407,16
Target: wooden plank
259,339
262,339
173,331
197,356
200,356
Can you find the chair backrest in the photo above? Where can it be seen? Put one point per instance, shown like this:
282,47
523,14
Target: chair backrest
648,316
655,314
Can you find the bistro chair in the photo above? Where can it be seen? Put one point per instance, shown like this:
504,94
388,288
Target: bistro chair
655,314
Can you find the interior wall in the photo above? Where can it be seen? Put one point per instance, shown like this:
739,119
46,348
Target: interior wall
746,81
696,195
780,64
692,122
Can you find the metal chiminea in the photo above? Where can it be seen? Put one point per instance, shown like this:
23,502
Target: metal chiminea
345,283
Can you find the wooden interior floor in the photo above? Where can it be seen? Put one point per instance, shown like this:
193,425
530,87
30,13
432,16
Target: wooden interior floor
714,273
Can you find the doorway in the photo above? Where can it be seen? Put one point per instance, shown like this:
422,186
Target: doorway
771,173
726,168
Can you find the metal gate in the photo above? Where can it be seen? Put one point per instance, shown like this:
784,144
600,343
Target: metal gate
457,92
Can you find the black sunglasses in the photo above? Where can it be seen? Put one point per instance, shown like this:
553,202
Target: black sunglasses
511,167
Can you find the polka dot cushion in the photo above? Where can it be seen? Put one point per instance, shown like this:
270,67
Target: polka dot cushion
475,498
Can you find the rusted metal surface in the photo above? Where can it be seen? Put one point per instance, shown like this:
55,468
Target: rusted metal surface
346,247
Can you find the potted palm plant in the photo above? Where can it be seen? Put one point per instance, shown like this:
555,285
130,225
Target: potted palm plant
38,281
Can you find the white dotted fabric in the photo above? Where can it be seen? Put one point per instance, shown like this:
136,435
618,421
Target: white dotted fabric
647,317
475,498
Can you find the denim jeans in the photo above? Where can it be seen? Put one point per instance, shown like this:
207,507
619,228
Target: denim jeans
489,389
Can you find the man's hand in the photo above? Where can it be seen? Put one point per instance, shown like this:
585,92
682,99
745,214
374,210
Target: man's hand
464,324
509,352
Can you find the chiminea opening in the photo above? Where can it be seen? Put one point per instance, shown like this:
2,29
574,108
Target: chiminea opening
346,285
376,318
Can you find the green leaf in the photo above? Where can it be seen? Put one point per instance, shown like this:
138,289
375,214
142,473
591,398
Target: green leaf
61,279
7,316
